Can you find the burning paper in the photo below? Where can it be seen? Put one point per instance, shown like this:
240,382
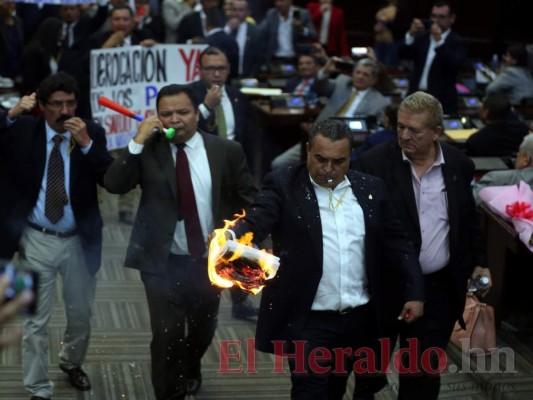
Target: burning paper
235,262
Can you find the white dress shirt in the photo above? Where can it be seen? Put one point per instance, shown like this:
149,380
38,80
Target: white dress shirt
344,282
355,103
202,184
285,46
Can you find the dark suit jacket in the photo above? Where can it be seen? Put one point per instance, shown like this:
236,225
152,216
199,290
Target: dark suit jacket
337,43
190,26
269,31
233,189
287,207
137,36
228,45
23,153
466,248
500,139
241,109
253,52
443,72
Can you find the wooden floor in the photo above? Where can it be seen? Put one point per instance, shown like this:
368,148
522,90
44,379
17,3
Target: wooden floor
118,362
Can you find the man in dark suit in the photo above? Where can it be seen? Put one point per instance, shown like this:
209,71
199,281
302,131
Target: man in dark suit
216,36
122,31
430,186
330,227
283,28
304,83
49,211
219,98
248,38
191,28
78,26
503,131
437,55
190,184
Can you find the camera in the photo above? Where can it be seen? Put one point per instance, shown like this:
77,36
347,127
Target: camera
359,52
20,279
296,14
427,23
344,66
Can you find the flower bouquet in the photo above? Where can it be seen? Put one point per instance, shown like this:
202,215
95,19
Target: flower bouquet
513,203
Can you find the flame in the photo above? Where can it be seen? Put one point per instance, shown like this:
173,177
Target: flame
227,269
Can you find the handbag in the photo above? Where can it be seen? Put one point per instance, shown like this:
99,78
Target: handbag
480,334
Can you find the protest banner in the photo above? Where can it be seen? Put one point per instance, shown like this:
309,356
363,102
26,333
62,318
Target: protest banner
132,76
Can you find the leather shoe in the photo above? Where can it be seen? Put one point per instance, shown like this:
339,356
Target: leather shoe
193,385
126,217
39,398
244,310
77,377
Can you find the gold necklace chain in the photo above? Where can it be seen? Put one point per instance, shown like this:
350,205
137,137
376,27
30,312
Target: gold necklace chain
334,201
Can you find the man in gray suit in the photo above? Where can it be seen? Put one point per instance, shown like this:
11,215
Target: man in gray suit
190,184
347,96
283,28
523,170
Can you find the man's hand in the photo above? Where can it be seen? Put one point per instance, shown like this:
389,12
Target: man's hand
482,271
11,309
436,32
78,129
24,105
148,43
145,129
213,97
412,310
114,40
416,26
233,23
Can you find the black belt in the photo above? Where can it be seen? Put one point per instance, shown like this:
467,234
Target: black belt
345,311
50,232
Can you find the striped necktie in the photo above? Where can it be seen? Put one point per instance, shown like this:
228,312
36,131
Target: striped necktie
56,195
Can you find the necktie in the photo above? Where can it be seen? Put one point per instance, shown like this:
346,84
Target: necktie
220,120
344,109
56,196
187,209
301,87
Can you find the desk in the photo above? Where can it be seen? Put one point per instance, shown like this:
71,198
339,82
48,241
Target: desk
459,135
501,238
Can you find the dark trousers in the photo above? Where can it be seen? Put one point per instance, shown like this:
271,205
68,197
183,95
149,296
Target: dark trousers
329,330
432,330
183,297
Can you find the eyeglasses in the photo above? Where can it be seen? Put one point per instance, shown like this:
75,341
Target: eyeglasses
440,16
58,105
220,69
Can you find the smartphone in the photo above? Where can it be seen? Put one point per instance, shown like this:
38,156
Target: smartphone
296,14
359,51
427,23
20,279
344,66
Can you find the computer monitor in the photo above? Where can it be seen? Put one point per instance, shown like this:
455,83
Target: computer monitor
285,101
471,102
356,125
452,123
